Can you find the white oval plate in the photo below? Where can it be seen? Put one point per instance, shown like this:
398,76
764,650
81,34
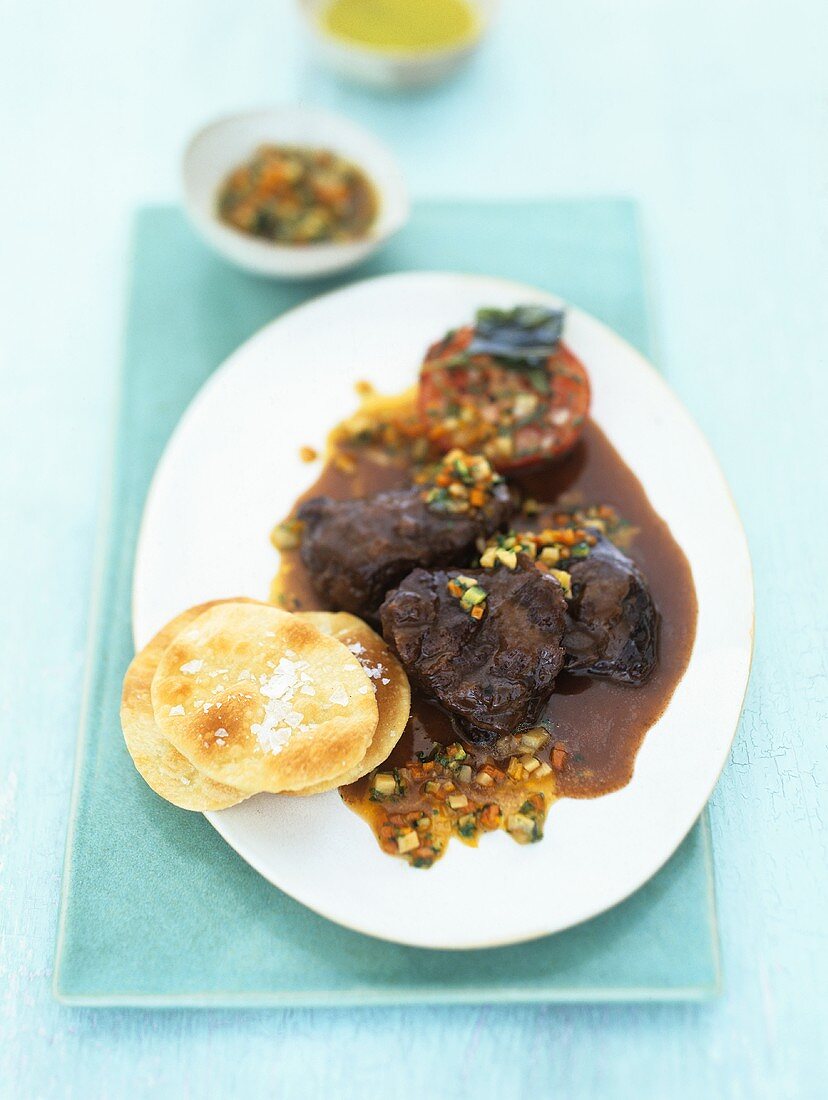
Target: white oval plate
231,469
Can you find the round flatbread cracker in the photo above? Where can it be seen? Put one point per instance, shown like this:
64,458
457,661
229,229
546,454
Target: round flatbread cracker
259,700
164,769
391,687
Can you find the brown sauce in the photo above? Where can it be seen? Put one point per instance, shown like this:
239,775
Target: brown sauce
598,725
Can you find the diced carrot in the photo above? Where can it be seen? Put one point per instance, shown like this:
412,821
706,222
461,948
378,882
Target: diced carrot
559,755
491,816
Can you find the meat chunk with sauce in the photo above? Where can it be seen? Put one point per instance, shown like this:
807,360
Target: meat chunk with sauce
356,550
493,673
612,628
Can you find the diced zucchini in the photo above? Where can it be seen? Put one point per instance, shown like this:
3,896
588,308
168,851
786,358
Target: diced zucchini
530,763
473,596
384,784
407,842
488,558
563,579
506,557
533,739
519,823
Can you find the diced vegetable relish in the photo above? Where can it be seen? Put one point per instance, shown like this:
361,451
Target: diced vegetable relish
386,429
443,793
560,540
459,482
292,195
471,595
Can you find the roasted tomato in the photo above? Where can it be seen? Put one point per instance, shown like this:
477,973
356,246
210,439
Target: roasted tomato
505,387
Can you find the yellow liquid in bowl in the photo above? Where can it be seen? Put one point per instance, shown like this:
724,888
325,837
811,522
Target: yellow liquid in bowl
401,25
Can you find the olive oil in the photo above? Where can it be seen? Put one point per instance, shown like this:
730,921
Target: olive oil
408,26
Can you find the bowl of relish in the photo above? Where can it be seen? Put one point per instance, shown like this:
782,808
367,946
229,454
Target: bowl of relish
292,192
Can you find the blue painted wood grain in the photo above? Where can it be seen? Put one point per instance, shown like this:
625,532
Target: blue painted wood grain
713,115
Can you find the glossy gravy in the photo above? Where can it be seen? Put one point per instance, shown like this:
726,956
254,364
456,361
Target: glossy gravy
598,725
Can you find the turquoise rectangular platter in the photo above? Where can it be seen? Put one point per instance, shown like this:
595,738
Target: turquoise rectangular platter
156,908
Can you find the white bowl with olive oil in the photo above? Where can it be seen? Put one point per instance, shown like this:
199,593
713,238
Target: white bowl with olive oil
397,44
221,147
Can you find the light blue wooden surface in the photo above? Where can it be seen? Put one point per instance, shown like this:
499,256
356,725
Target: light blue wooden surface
714,116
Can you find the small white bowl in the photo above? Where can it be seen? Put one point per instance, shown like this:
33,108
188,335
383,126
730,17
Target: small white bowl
225,144
395,69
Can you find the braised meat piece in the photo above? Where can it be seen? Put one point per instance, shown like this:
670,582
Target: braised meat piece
356,550
612,628
494,672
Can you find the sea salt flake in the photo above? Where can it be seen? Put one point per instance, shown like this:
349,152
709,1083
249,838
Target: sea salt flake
356,648
385,680
192,667
174,711
339,696
185,780
280,718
